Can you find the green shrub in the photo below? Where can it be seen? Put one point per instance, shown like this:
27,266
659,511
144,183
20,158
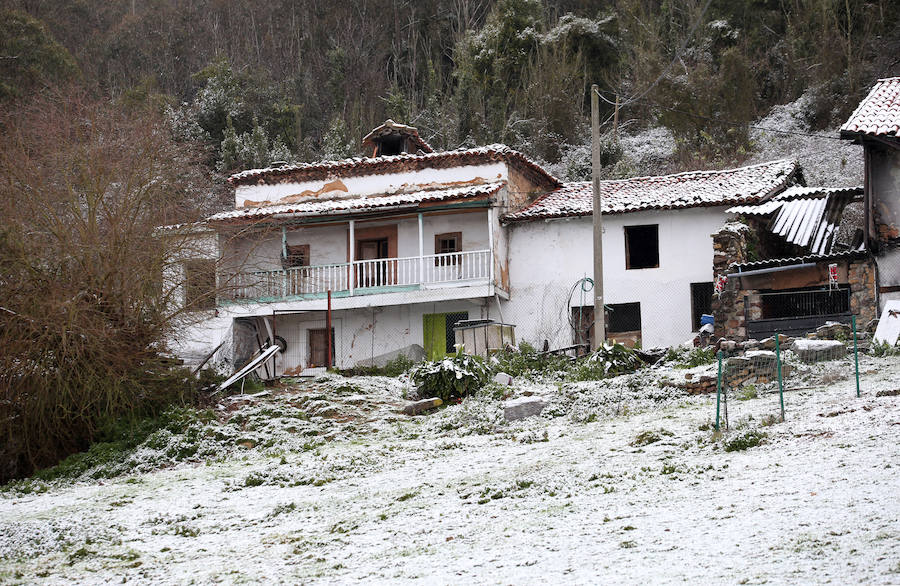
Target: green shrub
393,368
457,375
747,439
608,360
690,358
526,361
882,349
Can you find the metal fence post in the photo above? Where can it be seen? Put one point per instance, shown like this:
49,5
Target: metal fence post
780,379
855,353
718,388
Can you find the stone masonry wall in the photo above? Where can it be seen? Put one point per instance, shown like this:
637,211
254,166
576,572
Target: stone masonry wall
729,246
861,277
733,305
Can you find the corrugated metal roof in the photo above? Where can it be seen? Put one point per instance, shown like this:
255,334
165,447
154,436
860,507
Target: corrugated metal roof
318,207
879,112
682,190
796,260
805,216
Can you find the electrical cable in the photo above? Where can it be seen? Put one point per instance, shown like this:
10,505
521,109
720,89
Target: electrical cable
733,123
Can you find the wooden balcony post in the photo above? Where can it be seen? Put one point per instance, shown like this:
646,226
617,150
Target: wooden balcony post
421,249
352,246
490,216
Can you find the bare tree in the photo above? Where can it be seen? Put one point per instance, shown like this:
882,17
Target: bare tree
85,309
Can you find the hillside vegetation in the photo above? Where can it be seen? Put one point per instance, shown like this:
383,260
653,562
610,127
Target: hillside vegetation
256,82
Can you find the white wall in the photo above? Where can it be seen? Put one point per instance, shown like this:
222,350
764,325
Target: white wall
373,184
361,334
548,257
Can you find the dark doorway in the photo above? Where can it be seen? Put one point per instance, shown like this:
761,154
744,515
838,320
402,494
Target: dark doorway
371,274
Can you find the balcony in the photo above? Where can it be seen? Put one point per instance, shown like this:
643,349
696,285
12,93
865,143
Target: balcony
362,277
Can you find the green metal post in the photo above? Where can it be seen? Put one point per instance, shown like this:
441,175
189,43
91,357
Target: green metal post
780,380
718,389
855,353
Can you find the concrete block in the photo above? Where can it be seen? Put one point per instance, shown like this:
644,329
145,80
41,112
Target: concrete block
503,379
417,407
524,407
815,350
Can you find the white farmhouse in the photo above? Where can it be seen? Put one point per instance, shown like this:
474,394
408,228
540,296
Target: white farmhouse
657,253
408,242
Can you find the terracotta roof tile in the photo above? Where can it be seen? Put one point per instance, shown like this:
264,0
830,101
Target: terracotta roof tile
394,164
348,205
879,112
682,190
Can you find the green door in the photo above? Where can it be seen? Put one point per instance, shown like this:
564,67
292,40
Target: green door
439,334
435,328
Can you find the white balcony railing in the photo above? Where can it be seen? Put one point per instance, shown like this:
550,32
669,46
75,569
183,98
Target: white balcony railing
363,276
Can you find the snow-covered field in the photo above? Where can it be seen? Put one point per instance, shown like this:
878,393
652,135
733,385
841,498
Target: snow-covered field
618,481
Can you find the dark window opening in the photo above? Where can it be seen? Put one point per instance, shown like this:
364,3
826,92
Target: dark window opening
805,303
200,284
642,247
452,320
297,256
701,302
623,317
391,145
445,244
318,347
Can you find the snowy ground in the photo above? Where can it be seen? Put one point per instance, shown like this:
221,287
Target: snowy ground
326,484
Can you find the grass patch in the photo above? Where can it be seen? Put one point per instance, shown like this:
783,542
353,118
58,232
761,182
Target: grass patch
745,440
650,437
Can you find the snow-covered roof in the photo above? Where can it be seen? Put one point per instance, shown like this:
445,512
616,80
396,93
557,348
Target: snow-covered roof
806,216
681,190
879,112
328,170
349,205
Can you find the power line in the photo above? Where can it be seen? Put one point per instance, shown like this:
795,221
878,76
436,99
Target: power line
733,123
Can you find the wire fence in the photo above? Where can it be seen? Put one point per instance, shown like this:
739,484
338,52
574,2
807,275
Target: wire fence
782,364
374,327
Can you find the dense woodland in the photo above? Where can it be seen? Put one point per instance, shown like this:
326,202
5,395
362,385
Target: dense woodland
118,116
304,80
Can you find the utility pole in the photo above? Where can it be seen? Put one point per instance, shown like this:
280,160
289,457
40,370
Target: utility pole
599,314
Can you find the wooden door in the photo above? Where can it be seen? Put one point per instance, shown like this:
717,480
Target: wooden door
318,348
372,274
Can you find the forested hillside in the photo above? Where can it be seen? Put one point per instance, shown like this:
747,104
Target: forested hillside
304,80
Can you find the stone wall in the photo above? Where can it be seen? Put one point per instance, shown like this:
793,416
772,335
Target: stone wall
730,245
861,277
734,305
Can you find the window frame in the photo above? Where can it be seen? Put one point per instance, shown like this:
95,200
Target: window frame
294,251
447,260
612,309
628,230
